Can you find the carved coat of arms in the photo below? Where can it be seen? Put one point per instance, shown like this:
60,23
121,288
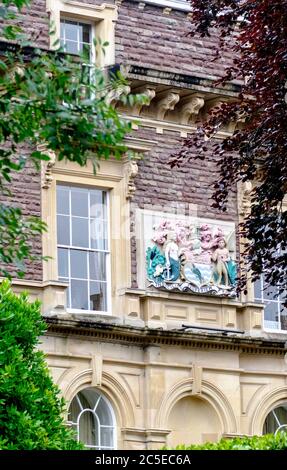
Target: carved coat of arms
192,258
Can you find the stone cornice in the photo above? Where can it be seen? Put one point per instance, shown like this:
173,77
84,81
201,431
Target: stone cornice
88,6
193,82
125,334
175,102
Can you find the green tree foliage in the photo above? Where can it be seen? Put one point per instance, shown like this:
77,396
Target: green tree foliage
267,442
31,411
50,98
255,33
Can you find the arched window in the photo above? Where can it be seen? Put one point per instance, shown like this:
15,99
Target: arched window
92,416
276,420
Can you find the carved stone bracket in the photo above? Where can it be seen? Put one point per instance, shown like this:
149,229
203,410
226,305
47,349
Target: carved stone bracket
196,373
212,104
131,173
166,103
114,95
245,190
97,367
47,167
149,92
190,108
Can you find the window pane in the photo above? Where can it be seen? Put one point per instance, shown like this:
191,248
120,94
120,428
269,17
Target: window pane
98,234
63,230
257,289
70,47
63,200
63,262
271,316
71,30
98,205
74,410
270,293
88,398
271,311
79,295
80,232
104,414
86,33
62,28
107,437
98,266
282,296
98,295
86,50
79,201
88,429
283,316
79,264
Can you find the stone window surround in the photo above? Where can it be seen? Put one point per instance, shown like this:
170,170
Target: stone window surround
102,18
110,178
114,176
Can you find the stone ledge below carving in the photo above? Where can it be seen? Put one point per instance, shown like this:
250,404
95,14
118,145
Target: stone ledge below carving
191,288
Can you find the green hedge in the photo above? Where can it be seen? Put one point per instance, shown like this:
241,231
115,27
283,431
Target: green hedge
31,409
267,442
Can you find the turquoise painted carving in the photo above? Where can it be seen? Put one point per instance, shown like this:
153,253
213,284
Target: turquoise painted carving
189,258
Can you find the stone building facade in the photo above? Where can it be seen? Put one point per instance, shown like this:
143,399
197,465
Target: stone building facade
145,338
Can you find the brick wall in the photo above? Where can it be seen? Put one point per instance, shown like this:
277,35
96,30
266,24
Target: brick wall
35,22
151,38
26,194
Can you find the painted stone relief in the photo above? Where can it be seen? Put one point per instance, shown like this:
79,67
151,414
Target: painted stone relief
191,258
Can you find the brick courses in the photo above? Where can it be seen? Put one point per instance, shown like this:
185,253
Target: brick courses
26,194
150,38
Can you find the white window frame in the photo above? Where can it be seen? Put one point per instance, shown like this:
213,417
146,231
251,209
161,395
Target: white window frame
264,299
108,255
280,426
102,17
93,411
92,30
92,25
